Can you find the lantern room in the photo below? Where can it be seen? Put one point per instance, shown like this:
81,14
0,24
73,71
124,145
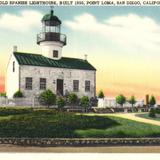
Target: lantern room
50,39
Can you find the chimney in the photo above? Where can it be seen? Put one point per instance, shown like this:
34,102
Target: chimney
14,48
85,57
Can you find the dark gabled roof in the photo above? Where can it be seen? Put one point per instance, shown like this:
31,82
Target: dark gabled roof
64,62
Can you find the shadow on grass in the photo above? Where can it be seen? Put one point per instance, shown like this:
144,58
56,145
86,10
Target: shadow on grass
52,124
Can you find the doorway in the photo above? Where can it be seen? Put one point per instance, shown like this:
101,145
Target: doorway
60,87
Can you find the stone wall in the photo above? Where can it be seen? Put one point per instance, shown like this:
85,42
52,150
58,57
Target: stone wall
80,141
52,74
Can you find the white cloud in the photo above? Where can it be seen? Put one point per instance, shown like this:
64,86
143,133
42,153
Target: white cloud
130,31
27,20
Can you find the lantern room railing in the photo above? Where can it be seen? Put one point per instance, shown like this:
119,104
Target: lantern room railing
51,36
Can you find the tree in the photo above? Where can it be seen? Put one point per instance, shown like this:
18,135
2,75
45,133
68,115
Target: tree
47,98
84,102
120,99
72,98
152,113
60,102
132,100
147,100
100,94
152,101
18,94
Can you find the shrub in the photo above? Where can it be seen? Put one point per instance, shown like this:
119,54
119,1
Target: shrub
152,113
152,101
84,102
93,101
2,94
47,98
14,111
132,100
120,99
101,94
72,98
60,102
18,94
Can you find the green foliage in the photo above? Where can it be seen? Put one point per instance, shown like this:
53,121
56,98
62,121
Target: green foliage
49,123
101,94
152,113
72,98
60,102
47,98
2,94
152,101
6,111
120,99
132,100
18,94
84,102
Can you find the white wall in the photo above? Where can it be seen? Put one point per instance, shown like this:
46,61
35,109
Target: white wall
52,74
111,102
12,78
48,47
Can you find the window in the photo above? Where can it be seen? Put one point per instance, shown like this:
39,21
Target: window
75,85
55,53
42,84
87,86
13,66
28,83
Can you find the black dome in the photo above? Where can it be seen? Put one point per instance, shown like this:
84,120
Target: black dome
51,18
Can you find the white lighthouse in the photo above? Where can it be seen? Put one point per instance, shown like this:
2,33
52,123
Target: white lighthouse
33,73
50,39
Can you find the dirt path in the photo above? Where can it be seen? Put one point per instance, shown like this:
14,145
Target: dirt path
132,116
117,149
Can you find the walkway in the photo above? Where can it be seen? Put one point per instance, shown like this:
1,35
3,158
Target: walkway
98,149
132,116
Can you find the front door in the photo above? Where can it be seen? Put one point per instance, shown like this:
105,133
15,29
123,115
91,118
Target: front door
60,87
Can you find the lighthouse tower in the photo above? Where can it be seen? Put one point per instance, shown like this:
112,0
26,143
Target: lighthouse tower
50,39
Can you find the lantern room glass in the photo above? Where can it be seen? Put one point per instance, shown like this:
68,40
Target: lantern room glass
51,28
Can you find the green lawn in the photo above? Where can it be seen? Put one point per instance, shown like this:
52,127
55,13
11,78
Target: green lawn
50,123
147,117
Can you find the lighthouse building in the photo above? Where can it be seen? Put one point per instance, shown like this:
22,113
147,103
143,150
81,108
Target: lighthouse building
34,73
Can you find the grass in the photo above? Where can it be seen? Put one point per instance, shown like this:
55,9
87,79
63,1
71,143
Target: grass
147,117
54,124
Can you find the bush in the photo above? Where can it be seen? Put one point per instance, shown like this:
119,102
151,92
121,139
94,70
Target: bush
152,113
2,94
60,102
84,102
93,101
152,101
101,94
18,94
14,111
47,98
72,98
121,99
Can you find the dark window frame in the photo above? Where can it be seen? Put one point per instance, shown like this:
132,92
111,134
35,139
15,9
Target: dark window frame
42,83
75,85
13,66
28,83
87,86
55,53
